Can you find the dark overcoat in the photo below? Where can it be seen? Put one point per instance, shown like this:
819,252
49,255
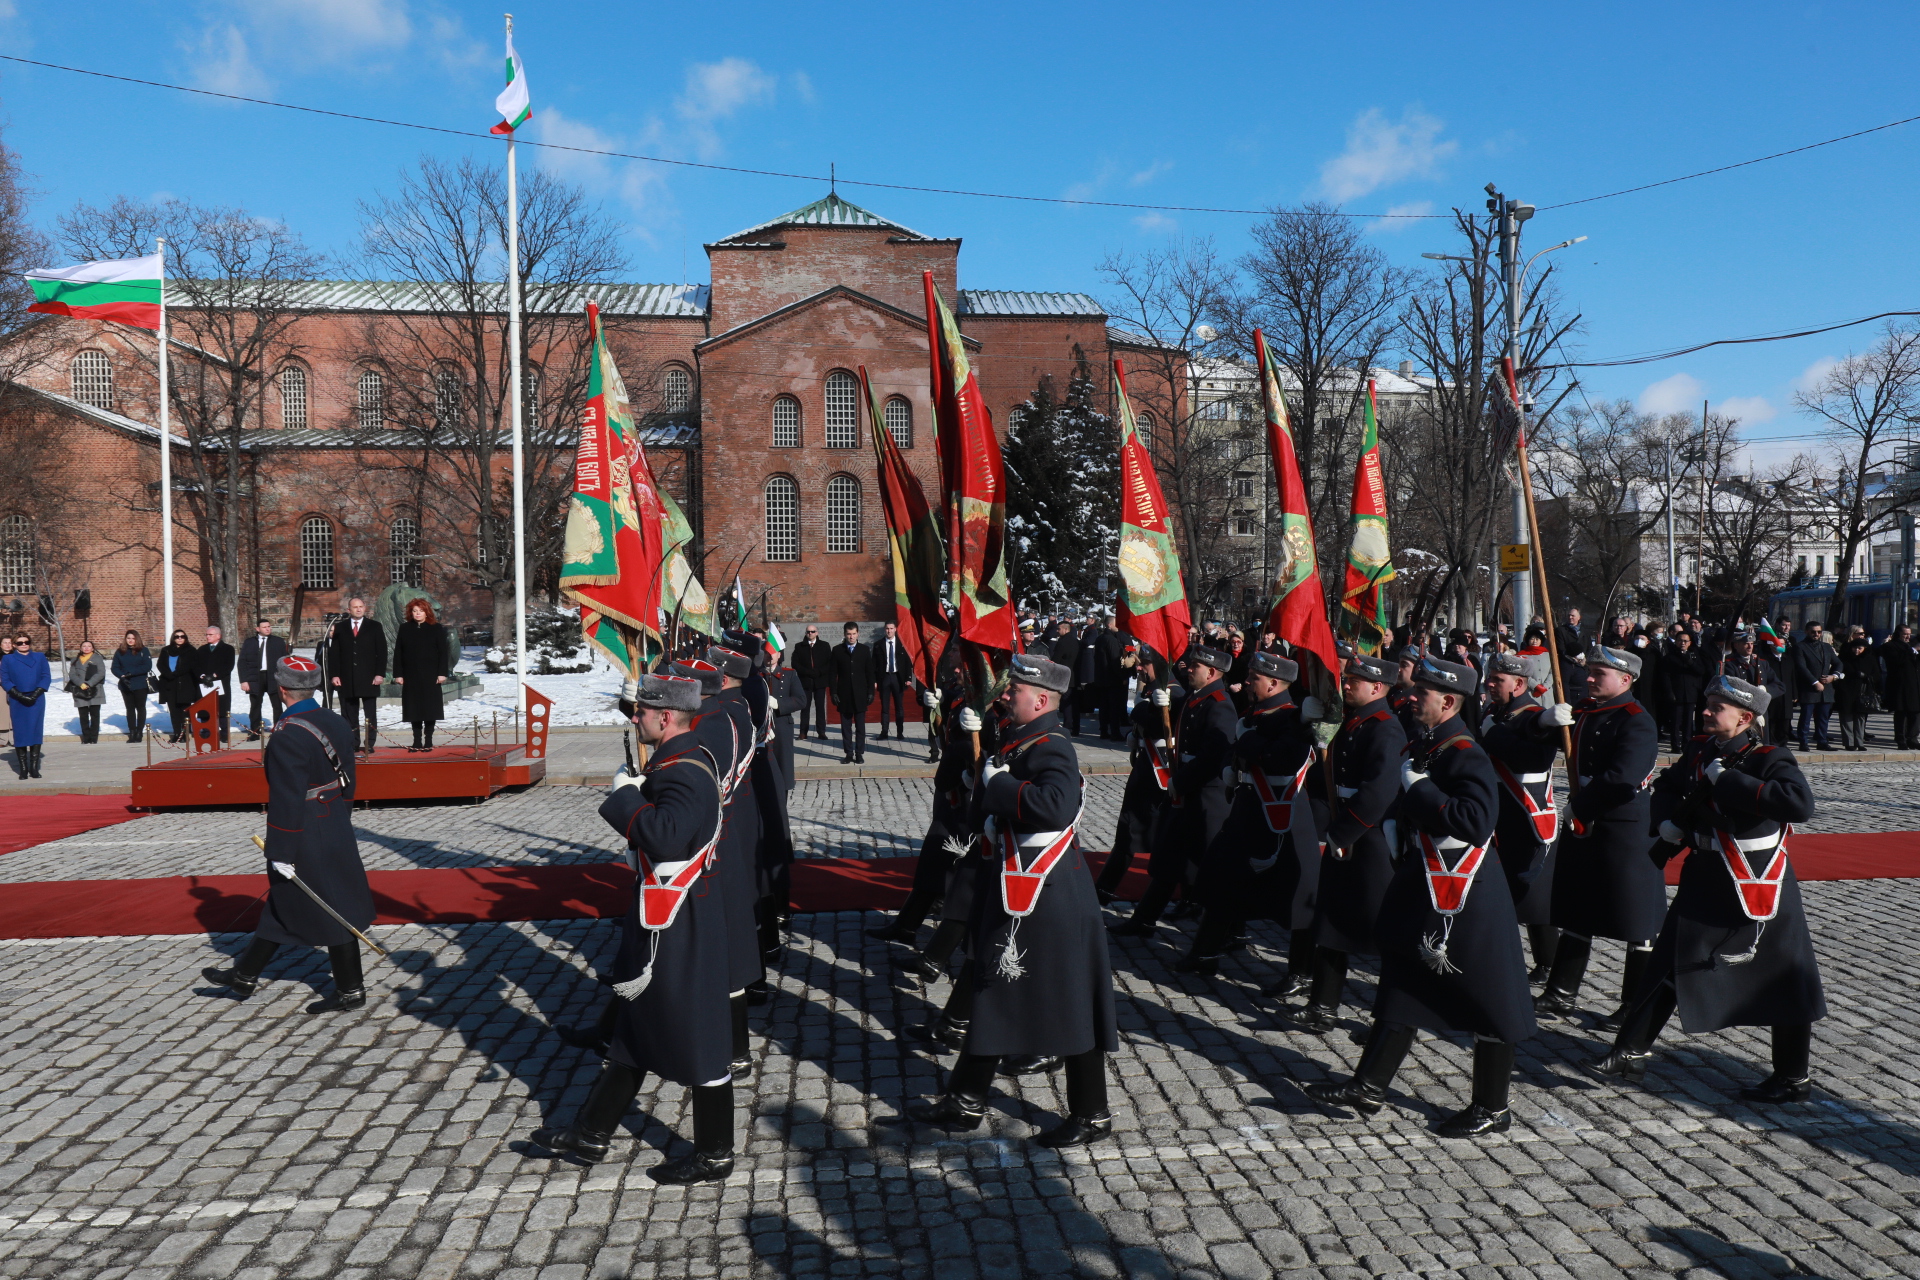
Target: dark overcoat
354,660
177,674
314,833
725,728
951,782
773,850
419,659
1196,802
1457,800
959,818
1143,796
1063,1001
1902,661
1357,865
679,1027
1251,871
1520,740
786,695
1760,790
1604,885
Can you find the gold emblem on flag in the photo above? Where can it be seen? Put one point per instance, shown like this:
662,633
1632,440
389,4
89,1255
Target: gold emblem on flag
1144,565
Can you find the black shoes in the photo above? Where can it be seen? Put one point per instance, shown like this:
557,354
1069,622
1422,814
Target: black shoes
582,1144
1554,1003
340,1002
1077,1131
741,1069
594,1038
701,1166
945,1032
1028,1064
1624,1065
241,984
1292,987
1775,1089
1204,966
1314,1019
1476,1122
1355,1095
1538,975
861,758
893,932
950,1112
1131,928
919,966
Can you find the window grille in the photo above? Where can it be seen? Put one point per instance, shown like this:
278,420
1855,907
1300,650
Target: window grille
843,514
446,399
93,379
783,519
403,544
786,423
16,555
678,390
1144,426
372,404
899,414
316,553
843,414
530,397
293,398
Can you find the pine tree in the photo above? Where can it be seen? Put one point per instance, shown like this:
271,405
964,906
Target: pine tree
1063,496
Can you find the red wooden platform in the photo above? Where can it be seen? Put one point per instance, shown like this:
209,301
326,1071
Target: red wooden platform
390,773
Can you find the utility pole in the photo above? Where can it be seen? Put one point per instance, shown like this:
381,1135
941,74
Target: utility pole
1673,567
1510,214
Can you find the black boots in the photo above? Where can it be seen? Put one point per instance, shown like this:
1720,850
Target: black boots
1569,970
1542,940
1386,1049
1633,1045
1299,979
931,963
1492,1078
417,726
598,1036
1088,1119
1792,1078
587,1137
1323,1001
711,1159
33,762
20,762
1146,913
742,1064
949,1029
1639,956
1030,1064
349,991
964,1105
244,978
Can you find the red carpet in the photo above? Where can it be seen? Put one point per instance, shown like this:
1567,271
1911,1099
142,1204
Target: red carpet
29,820
222,904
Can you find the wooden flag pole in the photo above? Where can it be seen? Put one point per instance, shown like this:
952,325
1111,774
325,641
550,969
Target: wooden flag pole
1539,563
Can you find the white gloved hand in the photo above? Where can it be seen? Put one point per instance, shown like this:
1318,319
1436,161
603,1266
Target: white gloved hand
1714,769
1160,698
1311,708
284,868
969,720
931,698
1409,776
1671,833
626,778
992,771
966,780
1560,713
1161,744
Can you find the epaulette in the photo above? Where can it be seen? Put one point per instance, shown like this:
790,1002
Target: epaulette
1461,743
1635,709
1768,749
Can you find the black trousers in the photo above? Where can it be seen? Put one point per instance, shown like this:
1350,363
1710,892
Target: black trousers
89,723
136,705
177,711
815,707
853,730
1113,710
892,688
254,696
1682,725
1906,727
358,709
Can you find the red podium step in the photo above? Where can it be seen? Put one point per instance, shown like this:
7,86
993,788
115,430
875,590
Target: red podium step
391,773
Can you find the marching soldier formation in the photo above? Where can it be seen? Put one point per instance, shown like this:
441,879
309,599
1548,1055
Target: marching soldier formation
1425,834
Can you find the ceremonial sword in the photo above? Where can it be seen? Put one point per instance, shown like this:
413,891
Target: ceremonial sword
286,869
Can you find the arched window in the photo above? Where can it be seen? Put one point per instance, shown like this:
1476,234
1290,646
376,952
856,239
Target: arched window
843,514
372,404
316,553
783,519
446,399
677,390
1144,425
403,547
843,410
92,376
786,423
899,413
293,398
16,555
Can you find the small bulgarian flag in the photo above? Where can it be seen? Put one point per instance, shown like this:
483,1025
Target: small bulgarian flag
514,103
125,290
775,641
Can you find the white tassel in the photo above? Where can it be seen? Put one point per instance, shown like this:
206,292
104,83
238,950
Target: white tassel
1011,967
957,845
1759,931
1433,950
634,986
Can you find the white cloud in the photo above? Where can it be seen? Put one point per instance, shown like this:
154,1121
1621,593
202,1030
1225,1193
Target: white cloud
336,30
803,87
1381,152
641,186
1681,393
717,91
1809,379
1149,173
1156,222
1748,409
1400,217
224,63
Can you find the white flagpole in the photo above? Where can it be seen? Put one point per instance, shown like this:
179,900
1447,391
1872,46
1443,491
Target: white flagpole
513,361
166,453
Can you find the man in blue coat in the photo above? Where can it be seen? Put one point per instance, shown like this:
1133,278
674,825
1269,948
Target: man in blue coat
26,677
310,781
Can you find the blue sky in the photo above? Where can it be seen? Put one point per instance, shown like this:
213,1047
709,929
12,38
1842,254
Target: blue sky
1384,107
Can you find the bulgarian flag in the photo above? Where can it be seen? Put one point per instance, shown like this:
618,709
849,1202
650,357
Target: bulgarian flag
1299,611
125,290
1363,610
612,562
740,621
913,544
514,103
1153,604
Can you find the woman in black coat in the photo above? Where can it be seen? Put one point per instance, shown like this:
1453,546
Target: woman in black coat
1684,670
177,680
131,666
421,667
1854,692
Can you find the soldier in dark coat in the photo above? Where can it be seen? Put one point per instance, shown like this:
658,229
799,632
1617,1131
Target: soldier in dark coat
310,780
725,726
1734,951
1196,801
1450,957
1357,864
947,832
787,696
670,976
773,849
1150,770
1603,884
1265,862
1522,737
1037,967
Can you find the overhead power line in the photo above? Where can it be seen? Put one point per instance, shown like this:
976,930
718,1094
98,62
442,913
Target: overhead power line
1725,342
901,186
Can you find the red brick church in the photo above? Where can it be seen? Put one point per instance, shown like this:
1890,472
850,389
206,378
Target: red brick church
754,411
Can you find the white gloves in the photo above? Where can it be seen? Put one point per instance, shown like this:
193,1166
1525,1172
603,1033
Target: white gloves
1311,708
930,699
966,780
1561,714
1160,698
284,868
626,778
1161,744
991,772
1671,833
1714,769
969,720
1408,776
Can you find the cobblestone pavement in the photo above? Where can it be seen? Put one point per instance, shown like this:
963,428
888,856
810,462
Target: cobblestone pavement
148,1131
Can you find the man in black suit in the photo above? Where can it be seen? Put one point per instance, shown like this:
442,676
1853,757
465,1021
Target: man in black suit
257,659
1066,651
215,665
891,671
852,692
813,663
358,652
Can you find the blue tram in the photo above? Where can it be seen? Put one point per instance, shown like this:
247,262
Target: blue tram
1879,604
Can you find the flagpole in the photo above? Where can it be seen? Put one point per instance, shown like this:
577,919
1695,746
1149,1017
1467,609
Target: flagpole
166,453
515,395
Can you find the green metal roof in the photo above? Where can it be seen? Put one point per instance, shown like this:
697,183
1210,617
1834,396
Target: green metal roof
829,211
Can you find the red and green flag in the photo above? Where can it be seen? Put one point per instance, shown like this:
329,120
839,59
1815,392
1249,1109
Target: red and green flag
515,103
1363,606
124,290
1298,613
913,540
1153,599
612,562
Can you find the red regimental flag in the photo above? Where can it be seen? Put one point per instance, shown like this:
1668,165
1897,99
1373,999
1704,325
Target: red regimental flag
1298,613
1153,599
1369,554
913,541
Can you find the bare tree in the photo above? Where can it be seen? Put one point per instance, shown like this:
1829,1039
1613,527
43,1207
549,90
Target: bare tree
442,348
233,284
1867,404
1596,466
22,247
